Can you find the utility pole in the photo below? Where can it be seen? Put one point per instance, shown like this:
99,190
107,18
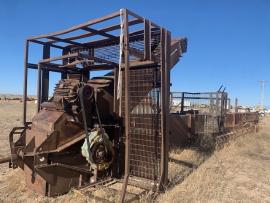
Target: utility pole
262,85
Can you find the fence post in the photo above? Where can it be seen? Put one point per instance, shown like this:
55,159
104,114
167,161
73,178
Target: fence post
182,102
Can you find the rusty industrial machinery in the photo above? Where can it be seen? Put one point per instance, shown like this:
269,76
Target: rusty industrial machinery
206,118
111,117
99,128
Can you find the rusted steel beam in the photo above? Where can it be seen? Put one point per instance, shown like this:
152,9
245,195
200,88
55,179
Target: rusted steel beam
66,41
117,26
133,36
76,62
106,29
115,104
134,14
164,68
182,102
167,102
45,75
147,40
162,97
73,55
98,32
108,65
178,46
65,51
127,94
103,61
139,17
32,66
132,65
56,68
65,68
39,88
88,23
26,50
45,43
93,67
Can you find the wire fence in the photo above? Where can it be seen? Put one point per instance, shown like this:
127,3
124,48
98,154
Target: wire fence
208,103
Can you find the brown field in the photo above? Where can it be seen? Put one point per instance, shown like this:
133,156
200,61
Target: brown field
240,172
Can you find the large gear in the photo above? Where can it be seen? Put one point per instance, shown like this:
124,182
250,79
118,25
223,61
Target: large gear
66,95
67,89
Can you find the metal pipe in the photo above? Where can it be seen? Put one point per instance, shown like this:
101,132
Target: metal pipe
147,40
164,67
115,72
127,141
88,23
25,81
45,76
39,87
162,96
167,102
182,102
5,160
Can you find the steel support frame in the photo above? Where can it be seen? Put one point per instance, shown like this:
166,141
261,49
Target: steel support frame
127,118
164,96
45,76
164,64
165,91
43,79
39,87
43,73
165,103
80,26
26,51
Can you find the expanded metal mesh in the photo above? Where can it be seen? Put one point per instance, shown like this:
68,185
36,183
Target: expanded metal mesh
110,52
144,129
206,124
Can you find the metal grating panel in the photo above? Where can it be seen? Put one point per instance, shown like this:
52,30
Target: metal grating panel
110,52
144,129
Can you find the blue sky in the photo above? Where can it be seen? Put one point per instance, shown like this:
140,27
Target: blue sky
229,40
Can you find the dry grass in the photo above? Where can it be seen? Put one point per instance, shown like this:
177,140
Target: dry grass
237,173
240,172
10,116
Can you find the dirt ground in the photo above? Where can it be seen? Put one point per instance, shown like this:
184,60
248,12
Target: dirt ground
240,172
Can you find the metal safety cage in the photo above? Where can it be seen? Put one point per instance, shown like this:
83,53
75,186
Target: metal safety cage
140,55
